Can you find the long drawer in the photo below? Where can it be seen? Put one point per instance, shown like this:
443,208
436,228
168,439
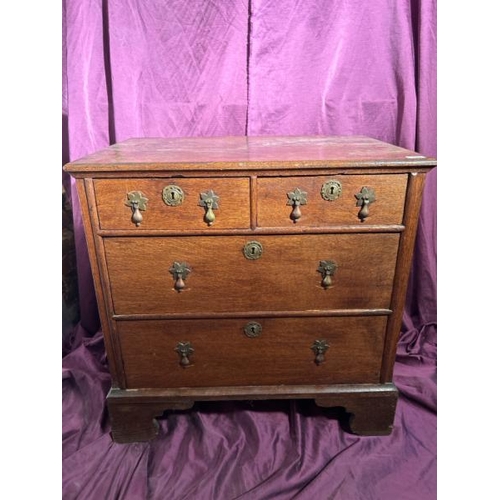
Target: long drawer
290,274
203,353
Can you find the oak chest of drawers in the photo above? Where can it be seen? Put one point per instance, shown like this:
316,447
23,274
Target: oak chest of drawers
250,268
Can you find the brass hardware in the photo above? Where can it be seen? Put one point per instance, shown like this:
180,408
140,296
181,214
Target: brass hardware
137,202
253,250
327,268
296,198
172,195
319,348
364,198
252,329
331,190
209,201
184,349
179,271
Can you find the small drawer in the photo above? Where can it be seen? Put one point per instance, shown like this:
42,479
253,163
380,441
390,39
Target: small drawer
207,353
173,204
331,200
183,274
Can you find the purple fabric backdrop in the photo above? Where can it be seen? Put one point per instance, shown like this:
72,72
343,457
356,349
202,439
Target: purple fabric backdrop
255,67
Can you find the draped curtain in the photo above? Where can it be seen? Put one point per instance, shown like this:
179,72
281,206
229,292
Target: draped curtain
251,67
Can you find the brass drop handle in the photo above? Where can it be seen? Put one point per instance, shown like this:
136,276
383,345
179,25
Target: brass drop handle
180,271
364,198
185,350
137,202
296,198
210,202
327,269
319,348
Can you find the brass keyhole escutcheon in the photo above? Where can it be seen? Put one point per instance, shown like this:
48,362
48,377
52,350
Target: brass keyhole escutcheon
252,329
253,250
172,195
331,190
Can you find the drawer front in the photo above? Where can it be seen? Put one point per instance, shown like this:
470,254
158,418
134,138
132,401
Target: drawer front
219,353
286,277
275,200
182,211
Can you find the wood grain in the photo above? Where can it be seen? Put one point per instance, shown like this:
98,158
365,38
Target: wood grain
280,153
388,208
233,211
144,318
224,355
403,266
286,277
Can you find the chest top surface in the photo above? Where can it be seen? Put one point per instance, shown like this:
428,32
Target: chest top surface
248,153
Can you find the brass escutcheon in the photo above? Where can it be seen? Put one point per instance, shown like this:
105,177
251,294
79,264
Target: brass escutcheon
253,250
252,329
172,195
331,190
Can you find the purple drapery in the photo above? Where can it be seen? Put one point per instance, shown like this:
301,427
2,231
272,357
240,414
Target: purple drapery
252,67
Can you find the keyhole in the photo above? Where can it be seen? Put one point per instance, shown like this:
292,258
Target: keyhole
252,329
332,190
173,195
253,253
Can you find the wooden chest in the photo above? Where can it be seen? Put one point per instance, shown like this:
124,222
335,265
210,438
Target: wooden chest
250,268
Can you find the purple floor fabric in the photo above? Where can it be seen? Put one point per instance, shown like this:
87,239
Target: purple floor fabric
252,67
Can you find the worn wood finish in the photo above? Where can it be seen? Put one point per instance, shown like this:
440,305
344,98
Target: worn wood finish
224,355
150,328
368,409
367,414
222,279
257,314
133,422
93,242
403,267
296,229
233,211
387,209
202,154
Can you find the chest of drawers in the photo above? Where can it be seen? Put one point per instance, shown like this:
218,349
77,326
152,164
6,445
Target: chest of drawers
250,268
